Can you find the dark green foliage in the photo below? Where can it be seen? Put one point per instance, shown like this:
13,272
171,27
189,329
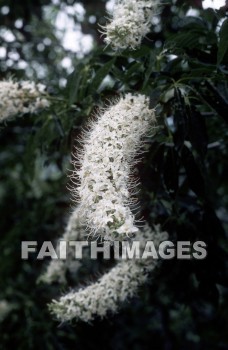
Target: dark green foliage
183,68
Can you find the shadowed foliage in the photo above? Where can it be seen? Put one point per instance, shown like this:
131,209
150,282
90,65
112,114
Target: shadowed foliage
182,66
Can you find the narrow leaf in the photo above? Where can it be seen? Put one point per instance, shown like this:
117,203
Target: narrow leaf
223,42
100,75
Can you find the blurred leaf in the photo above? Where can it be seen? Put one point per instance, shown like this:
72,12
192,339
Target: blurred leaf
213,98
100,75
150,69
197,131
134,68
192,23
180,119
73,83
223,42
171,171
194,176
188,39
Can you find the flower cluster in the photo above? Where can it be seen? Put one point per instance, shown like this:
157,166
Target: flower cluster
18,98
106,161
111,290
106,208
130,22
57,269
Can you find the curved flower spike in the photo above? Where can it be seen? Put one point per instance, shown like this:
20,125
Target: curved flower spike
105,185
111,290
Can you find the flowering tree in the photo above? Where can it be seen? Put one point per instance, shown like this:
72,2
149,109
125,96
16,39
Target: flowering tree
151,78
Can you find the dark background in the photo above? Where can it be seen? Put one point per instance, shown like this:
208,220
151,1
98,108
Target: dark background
182,66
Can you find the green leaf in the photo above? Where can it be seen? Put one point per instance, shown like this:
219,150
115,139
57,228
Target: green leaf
188,39
223,42
150,69
135,67
100,75
193,172
192,22
73,83
171,171
141,52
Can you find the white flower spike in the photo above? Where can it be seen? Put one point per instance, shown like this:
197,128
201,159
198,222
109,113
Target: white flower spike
17,98
57,269
112,289
105,183
131,21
